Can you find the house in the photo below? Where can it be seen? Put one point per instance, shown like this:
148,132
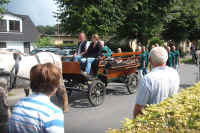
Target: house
17,32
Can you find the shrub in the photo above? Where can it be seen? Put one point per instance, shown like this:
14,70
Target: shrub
44,41
155,40
178,114
69,45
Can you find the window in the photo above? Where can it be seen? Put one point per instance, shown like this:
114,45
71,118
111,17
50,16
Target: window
14,26
3,45
27,47
3,26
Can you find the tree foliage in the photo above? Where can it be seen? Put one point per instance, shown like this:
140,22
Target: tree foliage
47,30
144,19
186,25
171,20
90,16
44,41
2,2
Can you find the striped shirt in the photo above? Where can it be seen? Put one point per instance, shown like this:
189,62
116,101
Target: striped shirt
36,114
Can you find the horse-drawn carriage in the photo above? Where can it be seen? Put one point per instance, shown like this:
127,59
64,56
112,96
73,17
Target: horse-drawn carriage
120,67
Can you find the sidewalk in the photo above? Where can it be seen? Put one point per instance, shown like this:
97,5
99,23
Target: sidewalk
14,95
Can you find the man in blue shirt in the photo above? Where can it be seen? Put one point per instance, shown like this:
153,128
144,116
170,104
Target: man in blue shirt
160,83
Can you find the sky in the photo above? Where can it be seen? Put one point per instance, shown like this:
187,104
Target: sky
40,11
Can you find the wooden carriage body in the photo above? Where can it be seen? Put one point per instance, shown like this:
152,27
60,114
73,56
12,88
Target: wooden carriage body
129,63
123,70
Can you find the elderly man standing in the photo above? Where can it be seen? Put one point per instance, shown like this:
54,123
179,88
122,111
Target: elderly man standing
160,83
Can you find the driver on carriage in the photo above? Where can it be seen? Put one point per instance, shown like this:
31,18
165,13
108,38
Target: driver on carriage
82,47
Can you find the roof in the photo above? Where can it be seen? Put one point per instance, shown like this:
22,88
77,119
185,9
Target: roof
29,32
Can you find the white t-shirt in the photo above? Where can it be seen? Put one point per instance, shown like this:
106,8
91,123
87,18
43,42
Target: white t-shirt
86,46
160,83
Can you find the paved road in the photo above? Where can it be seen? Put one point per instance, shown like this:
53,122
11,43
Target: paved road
82,118
118,105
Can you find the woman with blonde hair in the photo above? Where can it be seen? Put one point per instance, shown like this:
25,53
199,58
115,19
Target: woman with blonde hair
93,51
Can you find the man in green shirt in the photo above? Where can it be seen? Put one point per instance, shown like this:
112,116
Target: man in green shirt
176,57
143,62
170,61
105,48
146,59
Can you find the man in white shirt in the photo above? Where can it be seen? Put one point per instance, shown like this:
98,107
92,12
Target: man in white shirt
160,83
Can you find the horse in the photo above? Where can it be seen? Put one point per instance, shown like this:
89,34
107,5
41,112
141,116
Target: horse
15,73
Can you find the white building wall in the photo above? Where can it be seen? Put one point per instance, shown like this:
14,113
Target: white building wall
15,45
12,17
18,45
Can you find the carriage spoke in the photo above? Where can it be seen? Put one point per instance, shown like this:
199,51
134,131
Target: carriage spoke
97,93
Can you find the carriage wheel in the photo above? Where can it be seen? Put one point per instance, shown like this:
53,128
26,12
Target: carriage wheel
131,83
96,94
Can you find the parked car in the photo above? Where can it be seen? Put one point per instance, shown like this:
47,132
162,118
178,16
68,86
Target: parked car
11,50
55,50
37,50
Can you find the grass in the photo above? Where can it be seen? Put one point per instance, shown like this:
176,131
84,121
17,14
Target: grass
187,60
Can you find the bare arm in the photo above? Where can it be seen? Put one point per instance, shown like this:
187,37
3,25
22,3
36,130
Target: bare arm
137,110
86,48
84,52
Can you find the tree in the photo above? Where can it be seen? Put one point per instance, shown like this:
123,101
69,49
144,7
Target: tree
90,16
171,20
47,30
44,41
128,19
2,2
186,25
144,19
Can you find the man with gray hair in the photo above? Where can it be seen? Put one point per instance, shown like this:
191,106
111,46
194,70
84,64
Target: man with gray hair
160,83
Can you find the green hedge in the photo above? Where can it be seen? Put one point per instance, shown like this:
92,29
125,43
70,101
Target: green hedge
69,45
179,114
